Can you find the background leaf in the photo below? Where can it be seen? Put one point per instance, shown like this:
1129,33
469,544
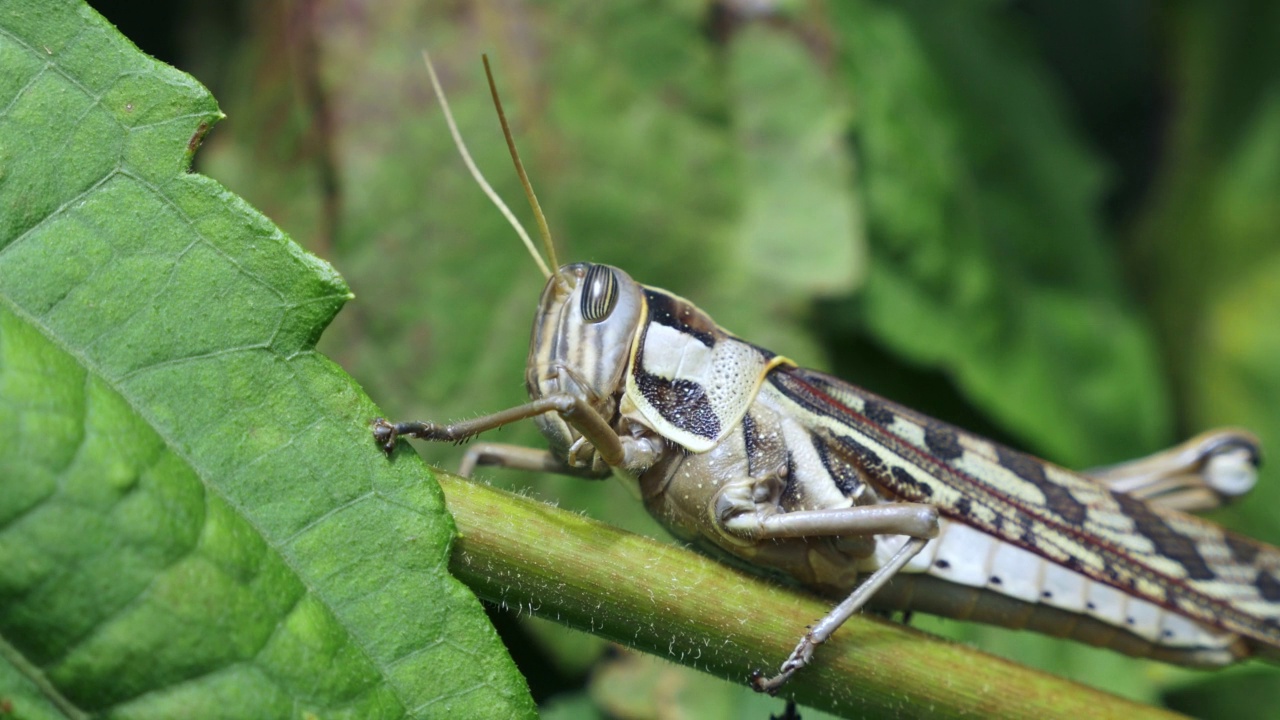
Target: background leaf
990,261
192,517
1060,225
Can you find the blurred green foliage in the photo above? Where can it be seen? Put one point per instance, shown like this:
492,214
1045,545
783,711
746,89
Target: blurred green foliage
1053,223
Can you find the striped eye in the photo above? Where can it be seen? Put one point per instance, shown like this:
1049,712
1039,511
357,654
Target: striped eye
599,293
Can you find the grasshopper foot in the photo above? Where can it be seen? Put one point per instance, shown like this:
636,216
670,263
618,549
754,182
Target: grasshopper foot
384,433
770,686
760,683
798,659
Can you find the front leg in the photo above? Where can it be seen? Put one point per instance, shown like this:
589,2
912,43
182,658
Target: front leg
575,411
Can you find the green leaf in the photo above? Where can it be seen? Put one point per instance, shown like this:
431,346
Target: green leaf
192,514
21,695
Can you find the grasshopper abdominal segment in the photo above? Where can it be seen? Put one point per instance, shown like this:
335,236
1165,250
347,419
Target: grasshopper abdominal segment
741,452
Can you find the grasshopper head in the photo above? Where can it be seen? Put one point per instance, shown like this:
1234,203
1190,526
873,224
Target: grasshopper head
581,344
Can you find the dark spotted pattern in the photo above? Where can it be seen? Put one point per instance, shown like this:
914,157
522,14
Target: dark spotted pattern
894,479
942,441
799,391
844,475
870,463
1268,586
1167,541
1026,532
1051,529
964,507
1243,550
878,413
1058,500
667,310
681,402
908,487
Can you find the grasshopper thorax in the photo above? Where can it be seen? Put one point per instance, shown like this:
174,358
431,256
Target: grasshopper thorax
581,344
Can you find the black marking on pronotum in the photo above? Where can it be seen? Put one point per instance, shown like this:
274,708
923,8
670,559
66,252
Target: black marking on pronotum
1058,500
1167,541
842,474
681,402
1268,586
1245,551
599,293
668,311
878,413
942,441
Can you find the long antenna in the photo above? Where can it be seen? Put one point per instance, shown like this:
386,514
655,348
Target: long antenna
475,171
515,158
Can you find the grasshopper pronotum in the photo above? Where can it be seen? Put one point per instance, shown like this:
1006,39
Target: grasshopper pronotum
737,449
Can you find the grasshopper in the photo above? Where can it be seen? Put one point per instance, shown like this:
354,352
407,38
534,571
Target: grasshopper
745,454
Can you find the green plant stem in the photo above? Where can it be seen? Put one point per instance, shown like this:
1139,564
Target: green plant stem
669,601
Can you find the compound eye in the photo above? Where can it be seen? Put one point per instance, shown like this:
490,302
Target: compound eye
599,293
